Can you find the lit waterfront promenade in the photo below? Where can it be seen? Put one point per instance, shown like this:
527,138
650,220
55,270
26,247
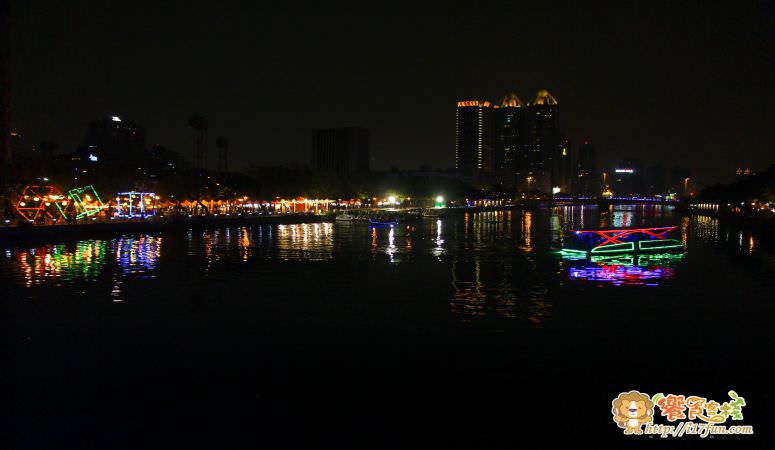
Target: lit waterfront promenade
102,225
153,224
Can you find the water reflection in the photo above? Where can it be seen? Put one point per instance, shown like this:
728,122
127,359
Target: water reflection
295,242
648,270
137,255
438,250
526,236
493,264
83,260
303,242
622,216
490,288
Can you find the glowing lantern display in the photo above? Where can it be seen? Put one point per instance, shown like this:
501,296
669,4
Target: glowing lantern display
41,204
86,201
135,204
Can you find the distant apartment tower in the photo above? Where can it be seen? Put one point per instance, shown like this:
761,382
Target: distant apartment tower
115,139
656,180
342,151
5,111
510,142
474,137
199,126
628,178
679,178
545,141
222,144
586,178
586,164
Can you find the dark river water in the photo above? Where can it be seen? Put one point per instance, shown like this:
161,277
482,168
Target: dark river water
469,330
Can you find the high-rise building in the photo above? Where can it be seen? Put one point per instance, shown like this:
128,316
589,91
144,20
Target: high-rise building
510,146
222,144
679,179
522,145
5,110
656,180
586,164
544,141
115,139
627,178
586,177
562,168
342,151
474,137
113,152
199,125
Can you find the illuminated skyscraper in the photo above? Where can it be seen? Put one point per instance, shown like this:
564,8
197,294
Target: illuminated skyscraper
510,150
474,137
544,141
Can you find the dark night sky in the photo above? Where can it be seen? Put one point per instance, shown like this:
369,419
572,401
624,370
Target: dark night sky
677,82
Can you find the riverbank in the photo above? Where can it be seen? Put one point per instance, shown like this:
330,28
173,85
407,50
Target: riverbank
154,224
757,222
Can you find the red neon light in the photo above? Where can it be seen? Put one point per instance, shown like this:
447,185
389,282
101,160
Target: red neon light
614,236
32,209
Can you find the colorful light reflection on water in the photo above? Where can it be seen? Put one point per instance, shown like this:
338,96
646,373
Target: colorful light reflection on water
648,270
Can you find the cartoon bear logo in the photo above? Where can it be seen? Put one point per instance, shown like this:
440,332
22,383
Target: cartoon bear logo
631,410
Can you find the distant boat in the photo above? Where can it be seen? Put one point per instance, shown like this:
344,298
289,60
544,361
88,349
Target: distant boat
433,213
346,217
383,223
383,219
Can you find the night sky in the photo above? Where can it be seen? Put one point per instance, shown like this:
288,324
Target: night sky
682,83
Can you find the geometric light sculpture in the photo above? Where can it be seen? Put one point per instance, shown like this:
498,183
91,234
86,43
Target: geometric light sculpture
86,201
135,204
41,203
626,240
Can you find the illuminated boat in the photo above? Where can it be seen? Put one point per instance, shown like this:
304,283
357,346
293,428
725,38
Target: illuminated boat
346,217
383,223
585,243
433,213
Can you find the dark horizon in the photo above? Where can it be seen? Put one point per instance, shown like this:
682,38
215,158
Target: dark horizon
682,85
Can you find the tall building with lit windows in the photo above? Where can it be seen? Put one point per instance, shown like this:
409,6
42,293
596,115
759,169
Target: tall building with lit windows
474,137
544,142
510,143
516,144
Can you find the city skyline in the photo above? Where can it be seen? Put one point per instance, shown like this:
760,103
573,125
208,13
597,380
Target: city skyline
657,99
280,225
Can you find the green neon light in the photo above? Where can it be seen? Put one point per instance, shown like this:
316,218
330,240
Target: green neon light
618,260
85,209
659,245
572,251
666,259
615,248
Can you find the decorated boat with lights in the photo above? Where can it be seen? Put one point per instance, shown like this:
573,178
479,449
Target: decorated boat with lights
618,241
